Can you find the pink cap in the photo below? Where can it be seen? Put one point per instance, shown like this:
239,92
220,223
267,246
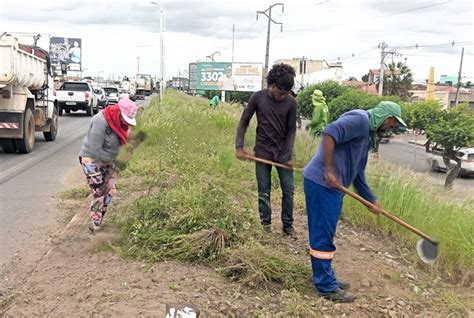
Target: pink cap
128,110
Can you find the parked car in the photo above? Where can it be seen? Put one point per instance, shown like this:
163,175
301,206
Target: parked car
436,163
112,94
101,97
74,96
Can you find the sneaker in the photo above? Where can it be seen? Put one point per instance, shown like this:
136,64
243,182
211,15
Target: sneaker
344,285
339,296
93,227
267,228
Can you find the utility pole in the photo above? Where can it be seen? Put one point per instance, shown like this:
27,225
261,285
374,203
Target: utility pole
383,46
233,37
268,14
162,47
383,55
459,79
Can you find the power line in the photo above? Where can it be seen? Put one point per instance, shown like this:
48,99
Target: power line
373,18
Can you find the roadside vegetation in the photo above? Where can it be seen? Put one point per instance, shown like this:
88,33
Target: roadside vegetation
195,202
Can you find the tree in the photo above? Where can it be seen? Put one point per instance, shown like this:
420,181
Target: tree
239,97
399,80
330,89
453,130
420,115
365,78
355,99
352,78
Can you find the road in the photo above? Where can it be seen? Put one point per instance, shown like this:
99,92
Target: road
29,182
402,153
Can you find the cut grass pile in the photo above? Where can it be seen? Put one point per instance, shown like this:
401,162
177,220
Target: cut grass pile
198,202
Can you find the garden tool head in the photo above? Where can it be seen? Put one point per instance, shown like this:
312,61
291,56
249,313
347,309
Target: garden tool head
428,250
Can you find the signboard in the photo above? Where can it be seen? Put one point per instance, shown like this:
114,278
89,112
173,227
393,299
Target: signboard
224,76
66,51
248,76
192,76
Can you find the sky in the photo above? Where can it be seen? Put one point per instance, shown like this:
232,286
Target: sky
114,33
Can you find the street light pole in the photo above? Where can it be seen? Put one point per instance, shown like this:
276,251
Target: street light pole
162,47
212,55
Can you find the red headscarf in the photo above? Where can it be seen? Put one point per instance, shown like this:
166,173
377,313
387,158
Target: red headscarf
112,116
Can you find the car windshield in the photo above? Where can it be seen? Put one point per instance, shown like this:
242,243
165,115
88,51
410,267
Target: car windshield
109,90
76,87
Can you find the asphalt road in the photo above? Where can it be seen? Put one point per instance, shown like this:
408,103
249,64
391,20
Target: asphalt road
28,183
414,157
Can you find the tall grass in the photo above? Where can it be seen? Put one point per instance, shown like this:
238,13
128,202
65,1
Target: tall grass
198,203
406,195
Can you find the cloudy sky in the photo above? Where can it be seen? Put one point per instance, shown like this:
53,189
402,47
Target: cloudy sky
115,32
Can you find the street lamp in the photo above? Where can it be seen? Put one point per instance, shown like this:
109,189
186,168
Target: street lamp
212,56
98,78
162,47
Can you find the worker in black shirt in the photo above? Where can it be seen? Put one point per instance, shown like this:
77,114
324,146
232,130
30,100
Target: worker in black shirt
276,129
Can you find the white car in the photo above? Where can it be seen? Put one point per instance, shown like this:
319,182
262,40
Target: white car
112,94
436,163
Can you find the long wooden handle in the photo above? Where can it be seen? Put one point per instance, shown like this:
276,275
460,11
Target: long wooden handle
386,214
276,164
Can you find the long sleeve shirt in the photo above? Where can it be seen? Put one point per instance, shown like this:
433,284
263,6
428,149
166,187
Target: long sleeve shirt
101,143
351,134
276,126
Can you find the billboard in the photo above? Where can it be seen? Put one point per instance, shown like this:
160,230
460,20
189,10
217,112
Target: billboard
225,76
66,52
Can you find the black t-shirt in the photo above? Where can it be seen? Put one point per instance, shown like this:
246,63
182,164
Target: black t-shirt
276,126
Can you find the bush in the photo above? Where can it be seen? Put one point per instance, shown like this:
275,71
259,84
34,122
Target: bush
330,89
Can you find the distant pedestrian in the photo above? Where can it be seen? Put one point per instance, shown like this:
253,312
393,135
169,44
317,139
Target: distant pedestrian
214,101
320,115
108,131
341,159
276,130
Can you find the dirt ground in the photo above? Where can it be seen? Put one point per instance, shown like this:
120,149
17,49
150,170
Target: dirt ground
80,275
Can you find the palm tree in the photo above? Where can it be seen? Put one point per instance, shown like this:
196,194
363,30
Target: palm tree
399,80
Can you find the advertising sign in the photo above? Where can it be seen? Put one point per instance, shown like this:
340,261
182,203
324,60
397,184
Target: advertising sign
224,76
66,51
247,76
210,74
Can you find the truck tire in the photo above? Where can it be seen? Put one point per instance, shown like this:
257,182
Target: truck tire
61,111
96,110
8,145
26,144
53,129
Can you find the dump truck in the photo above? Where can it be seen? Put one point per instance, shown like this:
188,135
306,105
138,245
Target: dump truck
144,85
27,96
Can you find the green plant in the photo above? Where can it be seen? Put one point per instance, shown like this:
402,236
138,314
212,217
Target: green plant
330,89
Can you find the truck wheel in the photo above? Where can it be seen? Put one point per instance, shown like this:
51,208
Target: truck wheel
68,111
89,111
96,110
26,144
8,145
61,111
53,129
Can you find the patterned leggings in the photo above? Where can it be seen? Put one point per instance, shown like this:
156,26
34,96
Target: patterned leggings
101,179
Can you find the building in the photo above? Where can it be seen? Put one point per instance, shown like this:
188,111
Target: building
445,94
309,71
374,74
369,88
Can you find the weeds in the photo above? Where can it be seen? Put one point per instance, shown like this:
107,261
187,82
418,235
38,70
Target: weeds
198,202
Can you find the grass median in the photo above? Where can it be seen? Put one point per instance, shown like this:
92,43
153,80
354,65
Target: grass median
196,203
